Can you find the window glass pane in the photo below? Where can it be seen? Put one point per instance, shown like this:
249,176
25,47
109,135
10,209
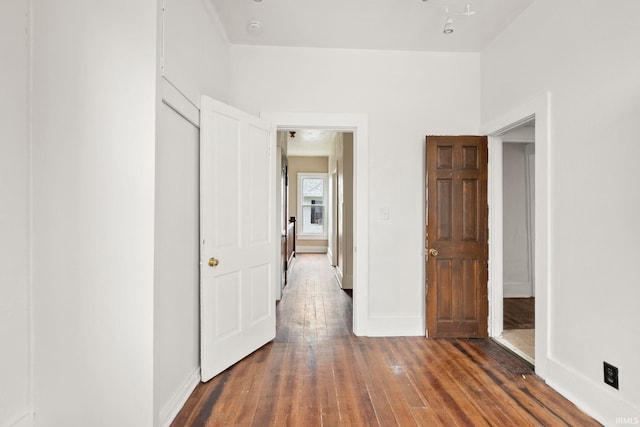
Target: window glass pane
313,219
313,191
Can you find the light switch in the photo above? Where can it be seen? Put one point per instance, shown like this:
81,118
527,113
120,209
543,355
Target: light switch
384,214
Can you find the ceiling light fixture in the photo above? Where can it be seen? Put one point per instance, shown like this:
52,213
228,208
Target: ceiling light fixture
467,11
448,26
255,27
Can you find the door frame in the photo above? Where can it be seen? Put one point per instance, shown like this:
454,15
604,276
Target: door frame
359,125
280,198
538,108
333,218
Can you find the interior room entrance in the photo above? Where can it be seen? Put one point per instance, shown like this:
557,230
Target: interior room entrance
518,240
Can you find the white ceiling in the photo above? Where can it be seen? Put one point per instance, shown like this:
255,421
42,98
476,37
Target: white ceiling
310,142
368,24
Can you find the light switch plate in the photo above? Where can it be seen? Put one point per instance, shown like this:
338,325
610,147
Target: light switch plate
384,214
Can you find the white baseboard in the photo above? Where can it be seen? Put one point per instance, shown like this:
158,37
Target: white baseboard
338,272
330,255
395,327
517,290
311,249
345,282
23,420
171,408
596,399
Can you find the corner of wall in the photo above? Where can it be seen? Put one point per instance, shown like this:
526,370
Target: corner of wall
16,313
216,21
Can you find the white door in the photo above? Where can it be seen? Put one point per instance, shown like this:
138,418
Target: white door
238,264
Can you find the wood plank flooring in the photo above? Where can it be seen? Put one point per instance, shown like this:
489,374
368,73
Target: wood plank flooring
317,373
519,313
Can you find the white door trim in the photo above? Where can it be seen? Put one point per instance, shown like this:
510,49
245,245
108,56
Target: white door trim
539,108
359,125
496,241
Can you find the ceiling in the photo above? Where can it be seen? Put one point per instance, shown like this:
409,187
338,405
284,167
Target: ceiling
310,142
368,24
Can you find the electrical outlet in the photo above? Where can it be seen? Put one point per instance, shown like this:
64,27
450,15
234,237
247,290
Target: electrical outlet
611,375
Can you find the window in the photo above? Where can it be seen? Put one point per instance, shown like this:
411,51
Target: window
312,205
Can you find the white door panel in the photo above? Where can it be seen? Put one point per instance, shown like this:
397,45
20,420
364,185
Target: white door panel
237,217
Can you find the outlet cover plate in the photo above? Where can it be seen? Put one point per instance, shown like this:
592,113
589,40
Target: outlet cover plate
611,375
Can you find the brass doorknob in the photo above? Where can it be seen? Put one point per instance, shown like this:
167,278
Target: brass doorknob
433,252
213,262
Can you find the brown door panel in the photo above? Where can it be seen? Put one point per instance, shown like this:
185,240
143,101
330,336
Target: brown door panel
457,215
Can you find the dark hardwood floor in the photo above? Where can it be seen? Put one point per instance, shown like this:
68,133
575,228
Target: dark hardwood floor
519,313
317,373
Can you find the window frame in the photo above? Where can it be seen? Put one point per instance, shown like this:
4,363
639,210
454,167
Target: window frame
300,205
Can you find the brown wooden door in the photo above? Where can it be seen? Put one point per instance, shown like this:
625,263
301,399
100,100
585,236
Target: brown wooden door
457,304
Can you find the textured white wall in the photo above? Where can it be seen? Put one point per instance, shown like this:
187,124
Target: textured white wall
15,357
94,114
406,95
585,53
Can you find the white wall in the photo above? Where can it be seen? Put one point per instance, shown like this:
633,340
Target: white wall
120,345
585,53
15,356
196,51
177,308
196,62
516,205
406,95
94,107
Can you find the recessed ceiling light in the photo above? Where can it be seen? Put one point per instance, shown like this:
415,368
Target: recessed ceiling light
255,27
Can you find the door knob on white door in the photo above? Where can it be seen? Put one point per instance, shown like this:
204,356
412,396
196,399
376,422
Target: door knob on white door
213,262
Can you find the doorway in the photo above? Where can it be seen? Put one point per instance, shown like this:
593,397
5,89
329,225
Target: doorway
357,125
538,109
318,199
518,209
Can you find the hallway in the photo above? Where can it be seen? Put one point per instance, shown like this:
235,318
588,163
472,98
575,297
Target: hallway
317,373
313,307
